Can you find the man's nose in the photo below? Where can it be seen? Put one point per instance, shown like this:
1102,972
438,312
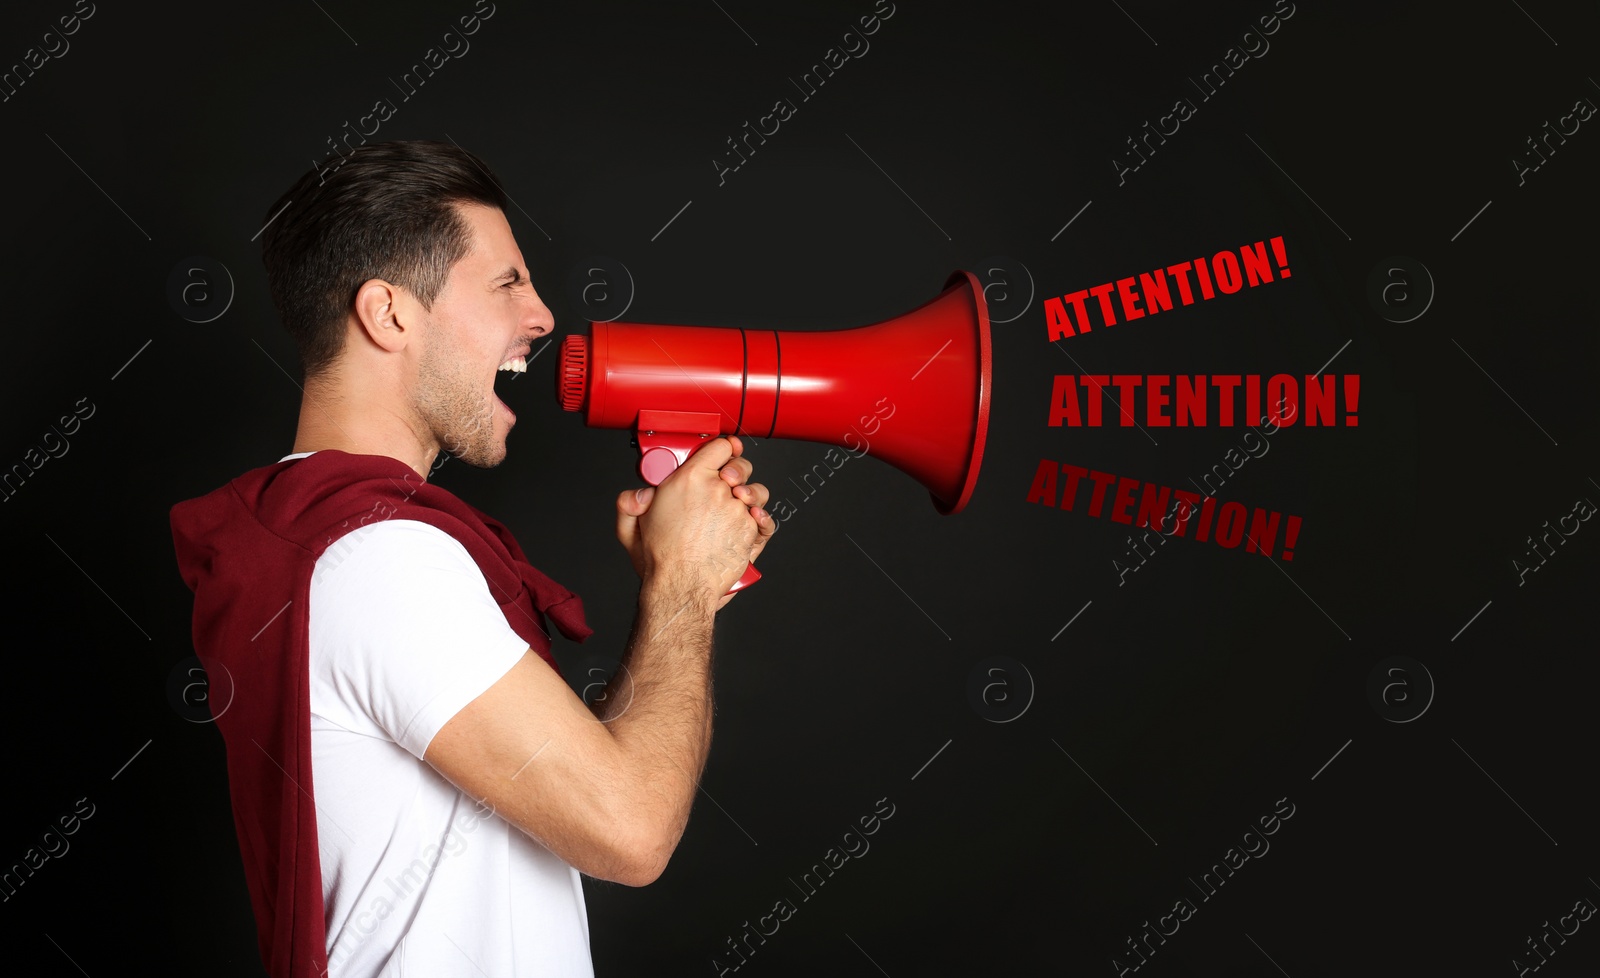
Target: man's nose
537,318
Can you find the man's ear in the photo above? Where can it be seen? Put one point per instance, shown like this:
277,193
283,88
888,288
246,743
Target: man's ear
382,311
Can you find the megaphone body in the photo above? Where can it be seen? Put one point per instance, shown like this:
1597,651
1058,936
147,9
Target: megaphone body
679,386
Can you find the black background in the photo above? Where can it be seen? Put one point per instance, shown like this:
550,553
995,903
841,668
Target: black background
1176,709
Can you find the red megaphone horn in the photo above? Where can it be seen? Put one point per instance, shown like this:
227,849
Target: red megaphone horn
679,386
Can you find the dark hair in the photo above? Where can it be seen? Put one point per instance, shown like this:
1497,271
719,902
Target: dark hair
384,211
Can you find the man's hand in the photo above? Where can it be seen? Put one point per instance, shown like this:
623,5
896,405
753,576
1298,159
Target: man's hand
611,798
688,527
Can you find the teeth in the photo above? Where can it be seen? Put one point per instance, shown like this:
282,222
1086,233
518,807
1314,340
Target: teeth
516,365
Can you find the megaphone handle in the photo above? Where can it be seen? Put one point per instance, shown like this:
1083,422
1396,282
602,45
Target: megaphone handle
660,453
751,575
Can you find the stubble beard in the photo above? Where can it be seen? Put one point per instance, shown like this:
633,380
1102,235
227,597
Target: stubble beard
457,410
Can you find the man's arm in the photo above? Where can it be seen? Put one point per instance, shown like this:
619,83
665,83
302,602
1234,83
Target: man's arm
612,798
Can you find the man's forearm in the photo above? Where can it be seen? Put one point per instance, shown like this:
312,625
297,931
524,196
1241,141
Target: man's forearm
658,707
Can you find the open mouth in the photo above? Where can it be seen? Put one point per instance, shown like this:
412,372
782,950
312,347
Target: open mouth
516,366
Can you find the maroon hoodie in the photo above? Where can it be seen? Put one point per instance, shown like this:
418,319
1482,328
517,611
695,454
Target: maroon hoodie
247,551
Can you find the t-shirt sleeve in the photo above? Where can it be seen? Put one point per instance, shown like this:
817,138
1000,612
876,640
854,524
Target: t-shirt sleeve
403,632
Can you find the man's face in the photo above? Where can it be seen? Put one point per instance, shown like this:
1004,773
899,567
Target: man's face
487,315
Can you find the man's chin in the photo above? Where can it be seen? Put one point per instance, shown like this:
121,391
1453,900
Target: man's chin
487,456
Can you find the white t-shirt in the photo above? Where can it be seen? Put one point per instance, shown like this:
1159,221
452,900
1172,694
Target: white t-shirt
419,879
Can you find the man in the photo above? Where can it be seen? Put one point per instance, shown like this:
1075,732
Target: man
415,789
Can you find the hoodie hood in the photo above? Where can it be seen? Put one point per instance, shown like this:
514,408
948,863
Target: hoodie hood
247,550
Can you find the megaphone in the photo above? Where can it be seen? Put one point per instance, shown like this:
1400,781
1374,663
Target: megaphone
680,386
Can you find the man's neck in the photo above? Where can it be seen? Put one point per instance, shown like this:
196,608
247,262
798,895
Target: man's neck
347,422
